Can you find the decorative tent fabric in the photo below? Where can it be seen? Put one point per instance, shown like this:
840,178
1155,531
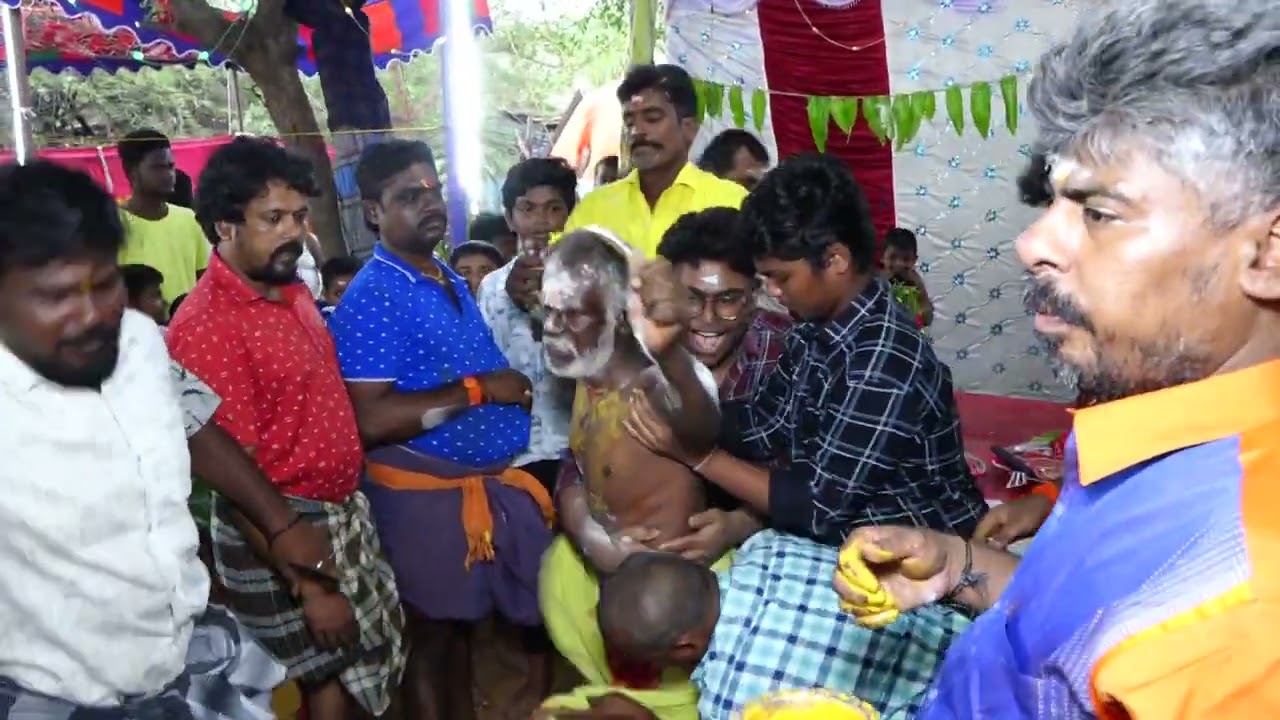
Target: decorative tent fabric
718,41
954,189
112,35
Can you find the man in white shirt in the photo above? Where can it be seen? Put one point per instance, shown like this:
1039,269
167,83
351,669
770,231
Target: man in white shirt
103,604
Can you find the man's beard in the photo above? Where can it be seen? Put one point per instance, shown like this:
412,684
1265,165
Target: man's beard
1121,367
584,365
95,371
277,270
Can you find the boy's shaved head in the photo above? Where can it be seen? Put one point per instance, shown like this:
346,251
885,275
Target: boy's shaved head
657,602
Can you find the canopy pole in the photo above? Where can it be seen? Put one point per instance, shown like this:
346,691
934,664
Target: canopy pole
235,111
643,37
644,20
15,62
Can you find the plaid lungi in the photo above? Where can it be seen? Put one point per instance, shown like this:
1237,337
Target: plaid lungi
781,628
229,676
371,670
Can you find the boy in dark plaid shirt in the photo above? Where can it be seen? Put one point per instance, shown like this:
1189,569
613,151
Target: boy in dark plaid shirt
857,423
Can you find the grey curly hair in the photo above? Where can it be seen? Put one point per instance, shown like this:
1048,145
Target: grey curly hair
1192,84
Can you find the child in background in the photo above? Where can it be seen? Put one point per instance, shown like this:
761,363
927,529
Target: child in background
492,228
473,260
899,264
142,283
335,276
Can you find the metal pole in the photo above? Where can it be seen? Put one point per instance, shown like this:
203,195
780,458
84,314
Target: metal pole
455,194
15,61
235,112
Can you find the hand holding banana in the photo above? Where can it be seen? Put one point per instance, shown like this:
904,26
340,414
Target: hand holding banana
878,608
885,571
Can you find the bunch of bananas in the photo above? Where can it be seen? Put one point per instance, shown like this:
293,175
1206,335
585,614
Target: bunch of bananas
816,704
854,571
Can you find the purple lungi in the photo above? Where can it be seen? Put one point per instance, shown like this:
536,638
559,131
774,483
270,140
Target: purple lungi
424,539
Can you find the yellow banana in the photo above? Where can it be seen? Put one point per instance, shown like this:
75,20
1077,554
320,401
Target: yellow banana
854,571
816,704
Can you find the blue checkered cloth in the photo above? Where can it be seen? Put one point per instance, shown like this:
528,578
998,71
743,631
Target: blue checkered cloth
781,628
229,676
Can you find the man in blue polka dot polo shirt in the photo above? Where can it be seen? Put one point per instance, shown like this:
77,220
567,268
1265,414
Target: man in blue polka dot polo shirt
443,415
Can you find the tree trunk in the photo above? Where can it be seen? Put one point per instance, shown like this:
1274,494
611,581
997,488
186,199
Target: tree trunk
266,47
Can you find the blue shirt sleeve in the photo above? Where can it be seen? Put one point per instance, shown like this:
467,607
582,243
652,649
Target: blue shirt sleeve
366,330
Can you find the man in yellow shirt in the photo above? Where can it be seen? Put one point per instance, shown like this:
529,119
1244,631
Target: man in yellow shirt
659,110
158,234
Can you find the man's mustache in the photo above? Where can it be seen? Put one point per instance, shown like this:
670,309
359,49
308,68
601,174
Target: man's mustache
293,247
643,144
559,345
1043,298
101,335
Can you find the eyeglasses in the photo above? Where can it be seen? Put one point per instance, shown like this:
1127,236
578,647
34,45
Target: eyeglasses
728,305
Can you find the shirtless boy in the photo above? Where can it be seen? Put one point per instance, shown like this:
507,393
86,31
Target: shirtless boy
618,343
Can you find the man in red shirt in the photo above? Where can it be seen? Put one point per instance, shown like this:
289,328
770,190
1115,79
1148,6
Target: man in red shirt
253,332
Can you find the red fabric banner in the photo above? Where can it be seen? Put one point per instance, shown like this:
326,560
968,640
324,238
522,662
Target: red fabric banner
809,50
103,163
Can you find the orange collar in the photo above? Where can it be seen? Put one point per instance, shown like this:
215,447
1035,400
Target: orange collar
1115,436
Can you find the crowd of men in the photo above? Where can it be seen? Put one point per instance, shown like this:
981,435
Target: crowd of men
643,434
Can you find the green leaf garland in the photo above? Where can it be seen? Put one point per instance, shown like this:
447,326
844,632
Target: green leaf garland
759,106
875,110
844,111
955,108
715,99
888,117
736,108
980,107
1009,97
820,120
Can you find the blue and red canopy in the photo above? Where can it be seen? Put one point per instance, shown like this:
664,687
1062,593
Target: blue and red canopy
112,35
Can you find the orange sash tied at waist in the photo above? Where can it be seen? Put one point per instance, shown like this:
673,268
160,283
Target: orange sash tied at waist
477,518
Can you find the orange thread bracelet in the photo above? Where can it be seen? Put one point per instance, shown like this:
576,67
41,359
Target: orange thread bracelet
1046,490
475,393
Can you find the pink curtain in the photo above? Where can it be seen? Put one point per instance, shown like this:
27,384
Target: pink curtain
103,163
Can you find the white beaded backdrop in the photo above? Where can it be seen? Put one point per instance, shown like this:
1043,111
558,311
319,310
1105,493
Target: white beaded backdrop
719,41
958,192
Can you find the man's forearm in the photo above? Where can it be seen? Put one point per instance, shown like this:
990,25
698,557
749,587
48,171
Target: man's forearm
227,468
386,416
696,419
986,576
741,479
742,524
590,537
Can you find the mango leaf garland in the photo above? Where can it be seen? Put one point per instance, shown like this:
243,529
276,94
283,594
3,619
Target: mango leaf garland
736,108
699,93
759,104
906,121
820,120
876,111
1009,96
715,98
955,108
896,117
844,111
980,106
925,103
